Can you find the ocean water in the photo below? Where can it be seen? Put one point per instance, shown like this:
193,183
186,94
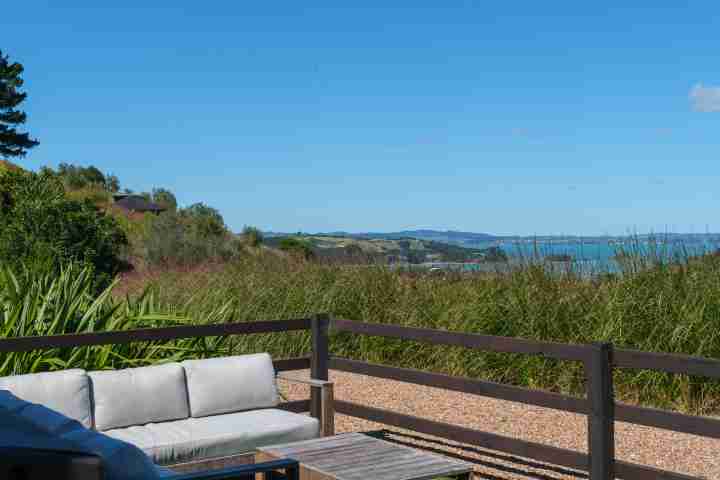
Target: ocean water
587,257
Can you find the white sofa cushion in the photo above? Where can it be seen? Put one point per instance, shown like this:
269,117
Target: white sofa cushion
218,436
66,391
136,396
230,384
23,424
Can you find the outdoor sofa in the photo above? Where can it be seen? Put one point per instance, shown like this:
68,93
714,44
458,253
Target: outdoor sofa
193,413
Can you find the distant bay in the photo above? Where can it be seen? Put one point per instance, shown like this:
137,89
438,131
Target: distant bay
588,256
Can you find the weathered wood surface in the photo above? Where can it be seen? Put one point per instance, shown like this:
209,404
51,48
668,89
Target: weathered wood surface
354,456
465,385
327,403
327,420
560,351
121,337
319,361
208,464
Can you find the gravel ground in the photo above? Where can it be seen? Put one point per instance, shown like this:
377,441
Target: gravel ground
677,452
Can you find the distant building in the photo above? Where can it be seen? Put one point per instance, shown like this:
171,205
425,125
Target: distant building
136,204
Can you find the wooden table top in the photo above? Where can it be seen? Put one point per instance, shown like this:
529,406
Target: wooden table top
355,456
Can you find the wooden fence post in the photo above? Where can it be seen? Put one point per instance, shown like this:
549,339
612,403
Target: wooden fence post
319,360
601,416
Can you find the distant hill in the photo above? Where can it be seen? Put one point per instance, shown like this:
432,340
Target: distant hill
464,239
387,248
485,240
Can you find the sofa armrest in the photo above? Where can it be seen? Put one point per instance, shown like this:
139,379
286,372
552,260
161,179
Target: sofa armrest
327,416
313,382
245,472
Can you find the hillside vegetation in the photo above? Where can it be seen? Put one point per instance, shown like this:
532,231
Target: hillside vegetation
69,214
59,253
355,249
6,166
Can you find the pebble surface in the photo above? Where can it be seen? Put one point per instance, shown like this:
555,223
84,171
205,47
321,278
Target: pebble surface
678,452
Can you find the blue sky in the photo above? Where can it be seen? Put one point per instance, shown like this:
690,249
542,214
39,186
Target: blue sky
500,117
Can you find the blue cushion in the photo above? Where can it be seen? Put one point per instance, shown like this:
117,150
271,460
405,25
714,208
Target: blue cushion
23,424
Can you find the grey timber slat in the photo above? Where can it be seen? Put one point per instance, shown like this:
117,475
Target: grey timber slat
355,456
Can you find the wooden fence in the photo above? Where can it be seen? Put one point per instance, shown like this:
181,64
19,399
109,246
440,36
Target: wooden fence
598,360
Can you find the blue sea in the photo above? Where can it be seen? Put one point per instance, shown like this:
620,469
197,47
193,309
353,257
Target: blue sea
588,256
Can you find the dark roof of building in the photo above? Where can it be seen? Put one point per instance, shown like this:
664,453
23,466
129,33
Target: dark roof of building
136,203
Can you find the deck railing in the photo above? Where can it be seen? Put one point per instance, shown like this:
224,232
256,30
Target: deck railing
599,403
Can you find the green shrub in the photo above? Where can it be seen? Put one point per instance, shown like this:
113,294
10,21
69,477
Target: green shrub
252,236
182,238
40,225
204,221
33,303
297,248
165,198
76,177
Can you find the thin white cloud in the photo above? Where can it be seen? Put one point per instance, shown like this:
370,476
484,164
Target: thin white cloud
705,99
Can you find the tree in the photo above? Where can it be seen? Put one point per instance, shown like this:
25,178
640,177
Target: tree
76,177
252,236
297,248
93,175
205,221
112,183
181,238
12,142
165,198
40,225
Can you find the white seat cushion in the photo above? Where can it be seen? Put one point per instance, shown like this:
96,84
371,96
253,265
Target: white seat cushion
231,384
218,436
66,391
136,396
23,424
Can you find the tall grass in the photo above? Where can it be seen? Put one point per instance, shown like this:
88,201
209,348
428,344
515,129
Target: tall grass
665,307
41,304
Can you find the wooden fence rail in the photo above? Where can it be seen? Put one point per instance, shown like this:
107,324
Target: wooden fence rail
599,404
598,360
25,344
521,448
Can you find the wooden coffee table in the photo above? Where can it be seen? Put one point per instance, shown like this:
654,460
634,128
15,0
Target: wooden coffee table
354,456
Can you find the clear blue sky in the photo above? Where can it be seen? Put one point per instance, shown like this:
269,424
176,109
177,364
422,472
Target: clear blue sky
500,117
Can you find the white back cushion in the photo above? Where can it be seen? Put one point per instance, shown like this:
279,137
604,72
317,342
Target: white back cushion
137,396
23,424
230,384
65,391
